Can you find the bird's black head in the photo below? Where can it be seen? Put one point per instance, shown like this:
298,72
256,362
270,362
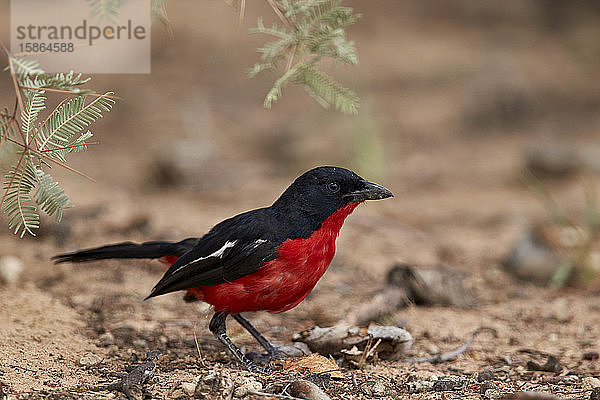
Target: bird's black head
321,191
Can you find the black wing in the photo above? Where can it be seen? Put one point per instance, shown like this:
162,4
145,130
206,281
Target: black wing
231,250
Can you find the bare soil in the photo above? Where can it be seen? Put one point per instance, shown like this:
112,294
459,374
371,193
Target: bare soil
454,95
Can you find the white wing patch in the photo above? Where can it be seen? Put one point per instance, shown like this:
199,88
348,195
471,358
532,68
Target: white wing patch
217,254
258,242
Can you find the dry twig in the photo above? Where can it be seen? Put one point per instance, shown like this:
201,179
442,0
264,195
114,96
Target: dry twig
440,358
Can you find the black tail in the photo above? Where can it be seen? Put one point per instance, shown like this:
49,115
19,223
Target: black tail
128,250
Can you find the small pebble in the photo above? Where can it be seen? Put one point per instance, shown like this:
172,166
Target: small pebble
444,385
107,339
250,384
492,394
89,360
189,388
420,386
485,375
297,349
307,390
589,382
561,310
374,389
113,350
595,394
10,269
379,389
530,395
487,386
591,355
214,385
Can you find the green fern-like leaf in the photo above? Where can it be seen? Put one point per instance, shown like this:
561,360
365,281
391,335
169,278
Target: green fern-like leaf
35,102
9,151
77,145
313,30
25,66
42,144
50,197
274,30
69,120
312,8
18,184
159,12
275,92
326,90
7,125
70,82
258,68
108,9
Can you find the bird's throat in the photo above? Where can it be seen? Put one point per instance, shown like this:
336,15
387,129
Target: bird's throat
335,221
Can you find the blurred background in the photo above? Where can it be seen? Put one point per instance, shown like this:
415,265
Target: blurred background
458,99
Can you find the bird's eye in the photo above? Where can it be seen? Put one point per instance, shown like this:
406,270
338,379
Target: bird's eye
333,187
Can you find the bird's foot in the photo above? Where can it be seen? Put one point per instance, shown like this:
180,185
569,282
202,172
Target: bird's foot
260,358
275,354
269,369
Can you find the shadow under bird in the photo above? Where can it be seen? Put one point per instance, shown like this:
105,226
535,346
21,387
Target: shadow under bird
268,259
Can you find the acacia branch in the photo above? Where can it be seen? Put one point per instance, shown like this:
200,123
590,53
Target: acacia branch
279,11
69,147
242,12
108,96
46,120
13,119
15,84
46,157
12,179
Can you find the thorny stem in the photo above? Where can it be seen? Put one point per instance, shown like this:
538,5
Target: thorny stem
364,356
372,349
291,59
69,92
278,10
12,120
198,346
12,179
46,120
15,84
439,358
68,147
45,157
242,12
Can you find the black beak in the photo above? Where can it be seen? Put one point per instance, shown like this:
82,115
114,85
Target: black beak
368,191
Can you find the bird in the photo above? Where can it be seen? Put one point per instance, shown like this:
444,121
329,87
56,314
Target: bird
267,259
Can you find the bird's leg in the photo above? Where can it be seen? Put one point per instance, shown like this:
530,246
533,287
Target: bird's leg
217,327
263,341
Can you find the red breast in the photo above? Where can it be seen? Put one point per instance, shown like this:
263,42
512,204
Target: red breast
283,283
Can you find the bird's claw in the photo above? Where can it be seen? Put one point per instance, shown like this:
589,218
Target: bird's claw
272,354
275,366
269,369
275,354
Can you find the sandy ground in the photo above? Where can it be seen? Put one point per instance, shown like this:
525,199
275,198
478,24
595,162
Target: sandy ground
453,96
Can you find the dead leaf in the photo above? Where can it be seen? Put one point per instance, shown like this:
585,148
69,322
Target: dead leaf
315,363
